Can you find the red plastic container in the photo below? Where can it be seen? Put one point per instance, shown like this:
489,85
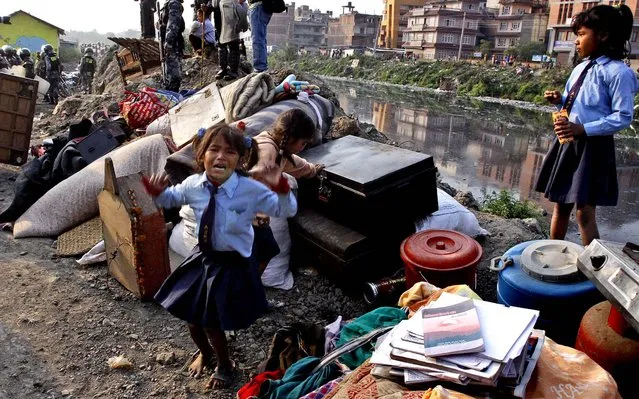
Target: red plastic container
617,354
443,257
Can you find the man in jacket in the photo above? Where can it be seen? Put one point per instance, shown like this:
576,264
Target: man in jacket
53,69
87,70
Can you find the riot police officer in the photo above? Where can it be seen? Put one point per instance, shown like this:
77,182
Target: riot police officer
27,63
53,68
87,70
11,55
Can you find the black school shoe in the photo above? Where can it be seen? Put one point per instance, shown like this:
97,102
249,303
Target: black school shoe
221,74
231,75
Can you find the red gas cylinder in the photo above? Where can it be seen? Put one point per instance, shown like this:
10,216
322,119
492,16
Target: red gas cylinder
443,257
617,354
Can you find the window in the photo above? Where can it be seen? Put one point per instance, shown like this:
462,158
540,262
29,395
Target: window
501,42
633,37
505,10
470,24
449,22
515,26
503,25
470,6
521,11
429,37
447,38
468,40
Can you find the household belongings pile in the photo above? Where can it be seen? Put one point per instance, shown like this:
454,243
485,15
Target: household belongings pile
463,341
303,363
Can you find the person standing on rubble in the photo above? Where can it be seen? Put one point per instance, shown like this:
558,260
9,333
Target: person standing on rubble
234,21
147,24
27,63
53,69
171,29
218,287
260,19
87,70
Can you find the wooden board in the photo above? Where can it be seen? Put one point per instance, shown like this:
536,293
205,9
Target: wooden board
17,107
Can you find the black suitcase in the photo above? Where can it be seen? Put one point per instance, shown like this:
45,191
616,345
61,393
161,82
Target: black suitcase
103,139
373,188
342,254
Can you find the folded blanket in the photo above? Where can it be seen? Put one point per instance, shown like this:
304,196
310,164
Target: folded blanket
246,96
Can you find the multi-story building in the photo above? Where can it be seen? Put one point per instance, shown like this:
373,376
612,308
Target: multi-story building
561,40
436,30
353,29
519,22
299,27
395,21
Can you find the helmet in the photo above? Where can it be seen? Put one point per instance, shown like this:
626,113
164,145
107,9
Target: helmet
88,50
8,50
1,52
47,48
24,53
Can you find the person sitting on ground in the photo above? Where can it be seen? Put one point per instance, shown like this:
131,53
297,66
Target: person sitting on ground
195,37
234,21
218,287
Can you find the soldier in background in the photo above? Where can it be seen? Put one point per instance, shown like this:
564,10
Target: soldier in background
53,69
147,18
11,55
27,63
171,29
40,67
87,70
4,64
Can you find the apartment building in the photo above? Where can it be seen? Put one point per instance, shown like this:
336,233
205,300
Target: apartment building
395,21
443,30
353,29
561,40
300,27
519,22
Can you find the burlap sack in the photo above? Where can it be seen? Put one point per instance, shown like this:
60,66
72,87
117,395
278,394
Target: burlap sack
74,200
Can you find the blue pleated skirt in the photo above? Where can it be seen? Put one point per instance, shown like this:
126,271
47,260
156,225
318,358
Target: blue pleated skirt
581,172
221,291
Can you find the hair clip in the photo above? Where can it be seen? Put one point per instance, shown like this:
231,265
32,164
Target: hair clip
200,132
248,142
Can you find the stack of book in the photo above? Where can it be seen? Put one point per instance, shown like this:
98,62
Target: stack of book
463,341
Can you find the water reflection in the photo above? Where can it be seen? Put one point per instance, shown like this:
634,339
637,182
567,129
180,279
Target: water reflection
478,146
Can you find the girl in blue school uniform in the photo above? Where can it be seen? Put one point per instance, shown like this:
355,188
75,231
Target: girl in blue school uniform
598,98
218,287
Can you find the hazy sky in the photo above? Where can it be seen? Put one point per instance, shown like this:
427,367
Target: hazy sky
120,15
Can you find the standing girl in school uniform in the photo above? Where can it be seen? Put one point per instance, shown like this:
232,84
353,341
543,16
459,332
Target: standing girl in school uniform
579,169
218,287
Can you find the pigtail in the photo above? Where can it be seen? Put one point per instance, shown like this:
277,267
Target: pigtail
253,155
283,153
625,26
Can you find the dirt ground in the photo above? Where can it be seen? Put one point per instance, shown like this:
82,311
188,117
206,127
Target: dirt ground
60,322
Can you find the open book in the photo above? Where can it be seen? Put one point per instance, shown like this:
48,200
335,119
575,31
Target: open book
452,329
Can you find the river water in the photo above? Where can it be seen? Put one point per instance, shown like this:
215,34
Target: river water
484,147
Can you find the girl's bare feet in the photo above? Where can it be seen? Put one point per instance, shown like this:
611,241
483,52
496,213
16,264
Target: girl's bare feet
222,377
196,369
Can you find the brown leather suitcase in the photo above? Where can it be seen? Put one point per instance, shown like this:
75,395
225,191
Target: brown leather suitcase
134,232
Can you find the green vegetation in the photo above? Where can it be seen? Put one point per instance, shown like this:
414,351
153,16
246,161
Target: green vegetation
505,204
470,79
527,50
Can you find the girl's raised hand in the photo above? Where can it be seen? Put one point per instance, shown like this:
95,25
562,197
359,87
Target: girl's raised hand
155,184
553,96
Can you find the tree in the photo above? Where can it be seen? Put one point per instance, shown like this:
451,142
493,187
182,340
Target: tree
485,46
525,51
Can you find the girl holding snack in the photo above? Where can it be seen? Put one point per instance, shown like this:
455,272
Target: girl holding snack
579,169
